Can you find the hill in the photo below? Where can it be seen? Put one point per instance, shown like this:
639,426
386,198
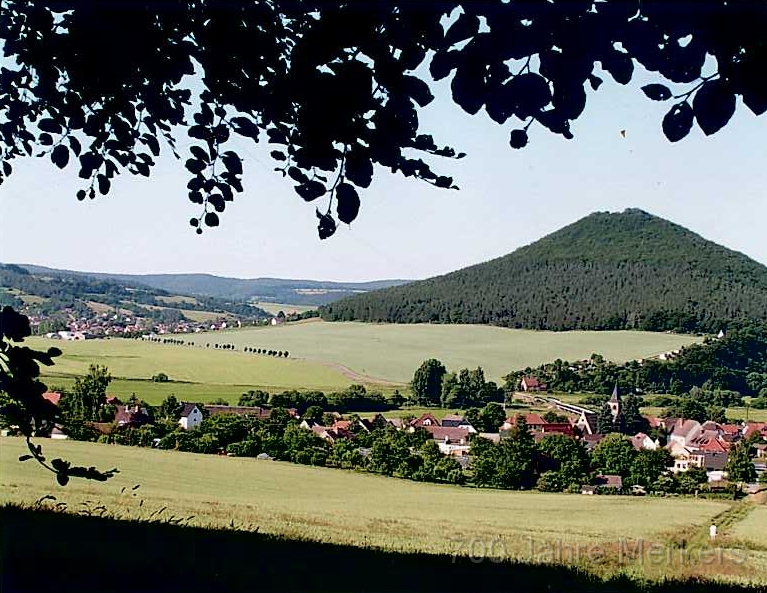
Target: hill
275,290
628,270
59,298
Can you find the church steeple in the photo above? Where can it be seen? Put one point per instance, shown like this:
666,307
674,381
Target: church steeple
615,402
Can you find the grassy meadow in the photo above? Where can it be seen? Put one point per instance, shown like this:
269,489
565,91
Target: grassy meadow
391,352
343,507
275,308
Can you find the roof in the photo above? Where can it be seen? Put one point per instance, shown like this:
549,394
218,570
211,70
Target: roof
638,440
454,417
714,461
239,410
427,416
753,427
530,419
449,433
615,397
685,428
531,381
609,481
52,396
188,408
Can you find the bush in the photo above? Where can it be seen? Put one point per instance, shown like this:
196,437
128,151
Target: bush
160,378
246,448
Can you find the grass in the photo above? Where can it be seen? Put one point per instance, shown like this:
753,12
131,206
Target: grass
137,359
274,308
392,352
343,507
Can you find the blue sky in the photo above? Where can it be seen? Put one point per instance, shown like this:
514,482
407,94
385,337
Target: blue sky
715,186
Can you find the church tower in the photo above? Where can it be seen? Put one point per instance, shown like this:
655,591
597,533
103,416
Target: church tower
615,403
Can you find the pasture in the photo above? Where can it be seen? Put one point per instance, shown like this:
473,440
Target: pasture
275,308
392,352
359,509
138,359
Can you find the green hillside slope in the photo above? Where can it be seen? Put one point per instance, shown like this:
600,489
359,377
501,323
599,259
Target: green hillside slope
607,271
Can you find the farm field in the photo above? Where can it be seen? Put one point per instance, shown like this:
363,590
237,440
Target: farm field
137,359
345,507
275,308
392,352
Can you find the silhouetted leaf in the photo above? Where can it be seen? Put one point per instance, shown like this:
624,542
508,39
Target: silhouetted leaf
417,90
277,155
310,190
442,63
619,65
49,125
45,139
465,26
232,163
297,175
62,478
60,156
25,457
595,81
194,166
359,169
347,203
80,194
217,201
104,184
714,105
677,123
199,154
326,226
211,219
657,92
518,139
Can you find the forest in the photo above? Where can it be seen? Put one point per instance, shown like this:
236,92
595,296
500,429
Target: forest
608,271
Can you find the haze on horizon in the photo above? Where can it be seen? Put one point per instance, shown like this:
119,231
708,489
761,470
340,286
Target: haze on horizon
715,186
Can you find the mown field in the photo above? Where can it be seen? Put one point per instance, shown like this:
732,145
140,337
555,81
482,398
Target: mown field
391,352
137,359
360,509
275,308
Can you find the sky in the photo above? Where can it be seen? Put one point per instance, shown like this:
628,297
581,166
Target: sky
716,186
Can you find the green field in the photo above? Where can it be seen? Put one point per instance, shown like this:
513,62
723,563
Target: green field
391,352
275,308
137,359
345,507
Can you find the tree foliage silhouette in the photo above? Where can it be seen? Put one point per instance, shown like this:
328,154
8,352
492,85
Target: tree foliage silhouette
104,87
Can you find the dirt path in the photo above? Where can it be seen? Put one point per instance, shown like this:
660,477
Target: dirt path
359,377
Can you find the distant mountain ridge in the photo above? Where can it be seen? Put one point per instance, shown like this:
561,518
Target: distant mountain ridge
606,271
278,290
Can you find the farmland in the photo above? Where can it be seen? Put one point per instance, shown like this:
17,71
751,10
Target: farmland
391,352
358,509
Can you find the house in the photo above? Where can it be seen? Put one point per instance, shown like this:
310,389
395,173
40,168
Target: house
457,421
531,383
687,459
684,431
451,440
641,441
753,427
564,428
257,411
131,415
534,422
191,416
714,464
591,440
603,481
761,450
587,423
425,420
325,433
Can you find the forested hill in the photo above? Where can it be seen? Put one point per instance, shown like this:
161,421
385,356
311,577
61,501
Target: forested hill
607,271
278,290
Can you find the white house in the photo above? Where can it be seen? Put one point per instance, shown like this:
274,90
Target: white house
191,416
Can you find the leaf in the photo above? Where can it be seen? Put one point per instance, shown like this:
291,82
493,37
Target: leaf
232,163
25,457
194,166
45,139
348,203
464,27
467,88
277,155
217,201
518,139
195,222
657,92
443,182
530,93
211,219
418,90
326,226
619,65
104,184
311,190
49,125
199,153
62,478
677,123
595,81
245,127
297,175
359,169
442,64
81,194
74,144
714,105
60,156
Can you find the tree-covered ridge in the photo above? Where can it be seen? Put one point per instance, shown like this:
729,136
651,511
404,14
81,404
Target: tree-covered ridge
628,270
57,292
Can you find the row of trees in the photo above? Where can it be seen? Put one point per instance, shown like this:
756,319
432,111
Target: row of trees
433,385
